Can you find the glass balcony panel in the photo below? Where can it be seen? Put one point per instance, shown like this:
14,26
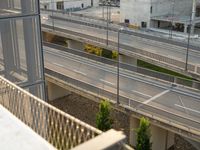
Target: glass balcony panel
13,8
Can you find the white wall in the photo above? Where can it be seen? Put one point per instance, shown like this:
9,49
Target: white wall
69,3
76,3
139,10
164,7
136,11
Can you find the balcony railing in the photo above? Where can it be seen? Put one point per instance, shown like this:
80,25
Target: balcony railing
58,128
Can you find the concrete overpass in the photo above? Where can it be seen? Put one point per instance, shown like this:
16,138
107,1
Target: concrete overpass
134,69
155,50
170,108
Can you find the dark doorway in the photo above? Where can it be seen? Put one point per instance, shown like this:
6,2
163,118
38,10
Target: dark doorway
92,3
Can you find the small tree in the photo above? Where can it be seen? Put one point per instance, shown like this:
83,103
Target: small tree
143,135
103,120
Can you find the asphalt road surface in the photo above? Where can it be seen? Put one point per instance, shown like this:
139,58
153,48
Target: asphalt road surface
158,98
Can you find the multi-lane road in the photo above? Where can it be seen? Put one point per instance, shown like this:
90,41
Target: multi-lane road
170,55
173,103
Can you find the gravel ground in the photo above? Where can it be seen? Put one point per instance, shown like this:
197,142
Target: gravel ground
85,110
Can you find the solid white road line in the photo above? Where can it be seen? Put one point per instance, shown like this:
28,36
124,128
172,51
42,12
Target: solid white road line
156,96
58,64
106,81
182,104
142,94
190,109
79,72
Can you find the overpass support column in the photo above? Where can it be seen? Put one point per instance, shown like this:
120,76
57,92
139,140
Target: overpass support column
55,92
128,60
185,28
75,45
134,124
161,138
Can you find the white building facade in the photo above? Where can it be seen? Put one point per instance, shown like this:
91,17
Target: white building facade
71,5
160,13
135,12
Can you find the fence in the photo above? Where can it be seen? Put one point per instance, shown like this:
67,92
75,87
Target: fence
58,128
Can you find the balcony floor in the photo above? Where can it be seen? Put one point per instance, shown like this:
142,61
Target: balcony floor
15,135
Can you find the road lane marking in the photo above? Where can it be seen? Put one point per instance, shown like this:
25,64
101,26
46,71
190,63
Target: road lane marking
58,64
79,72
145,95
107,81
190,109
182,104
156,96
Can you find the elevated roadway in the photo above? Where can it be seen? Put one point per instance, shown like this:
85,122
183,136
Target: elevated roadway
171,55
172,105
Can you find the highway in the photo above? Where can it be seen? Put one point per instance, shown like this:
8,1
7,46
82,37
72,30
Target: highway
168,101
164,53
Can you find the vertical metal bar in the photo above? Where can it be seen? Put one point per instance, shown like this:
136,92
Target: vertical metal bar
188,44
44,94
52,14
172,20
103,10
107,27
118,47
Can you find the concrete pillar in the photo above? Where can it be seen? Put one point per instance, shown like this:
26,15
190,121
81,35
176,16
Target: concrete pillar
193,15
75,45
185,28
170,139
128,60
134,124
161,138
55,92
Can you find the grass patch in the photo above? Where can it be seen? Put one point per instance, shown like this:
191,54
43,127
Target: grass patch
144,64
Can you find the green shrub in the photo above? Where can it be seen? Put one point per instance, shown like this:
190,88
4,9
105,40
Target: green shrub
103,120
143,135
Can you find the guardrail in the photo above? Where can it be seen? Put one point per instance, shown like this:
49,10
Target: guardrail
58,128
177,122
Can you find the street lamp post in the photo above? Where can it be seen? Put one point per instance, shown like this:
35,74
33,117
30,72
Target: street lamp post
172,19
118,63
52,6
188,43
103,3
108,3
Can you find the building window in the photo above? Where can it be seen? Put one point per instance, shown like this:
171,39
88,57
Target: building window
60,5
144,24
151,9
